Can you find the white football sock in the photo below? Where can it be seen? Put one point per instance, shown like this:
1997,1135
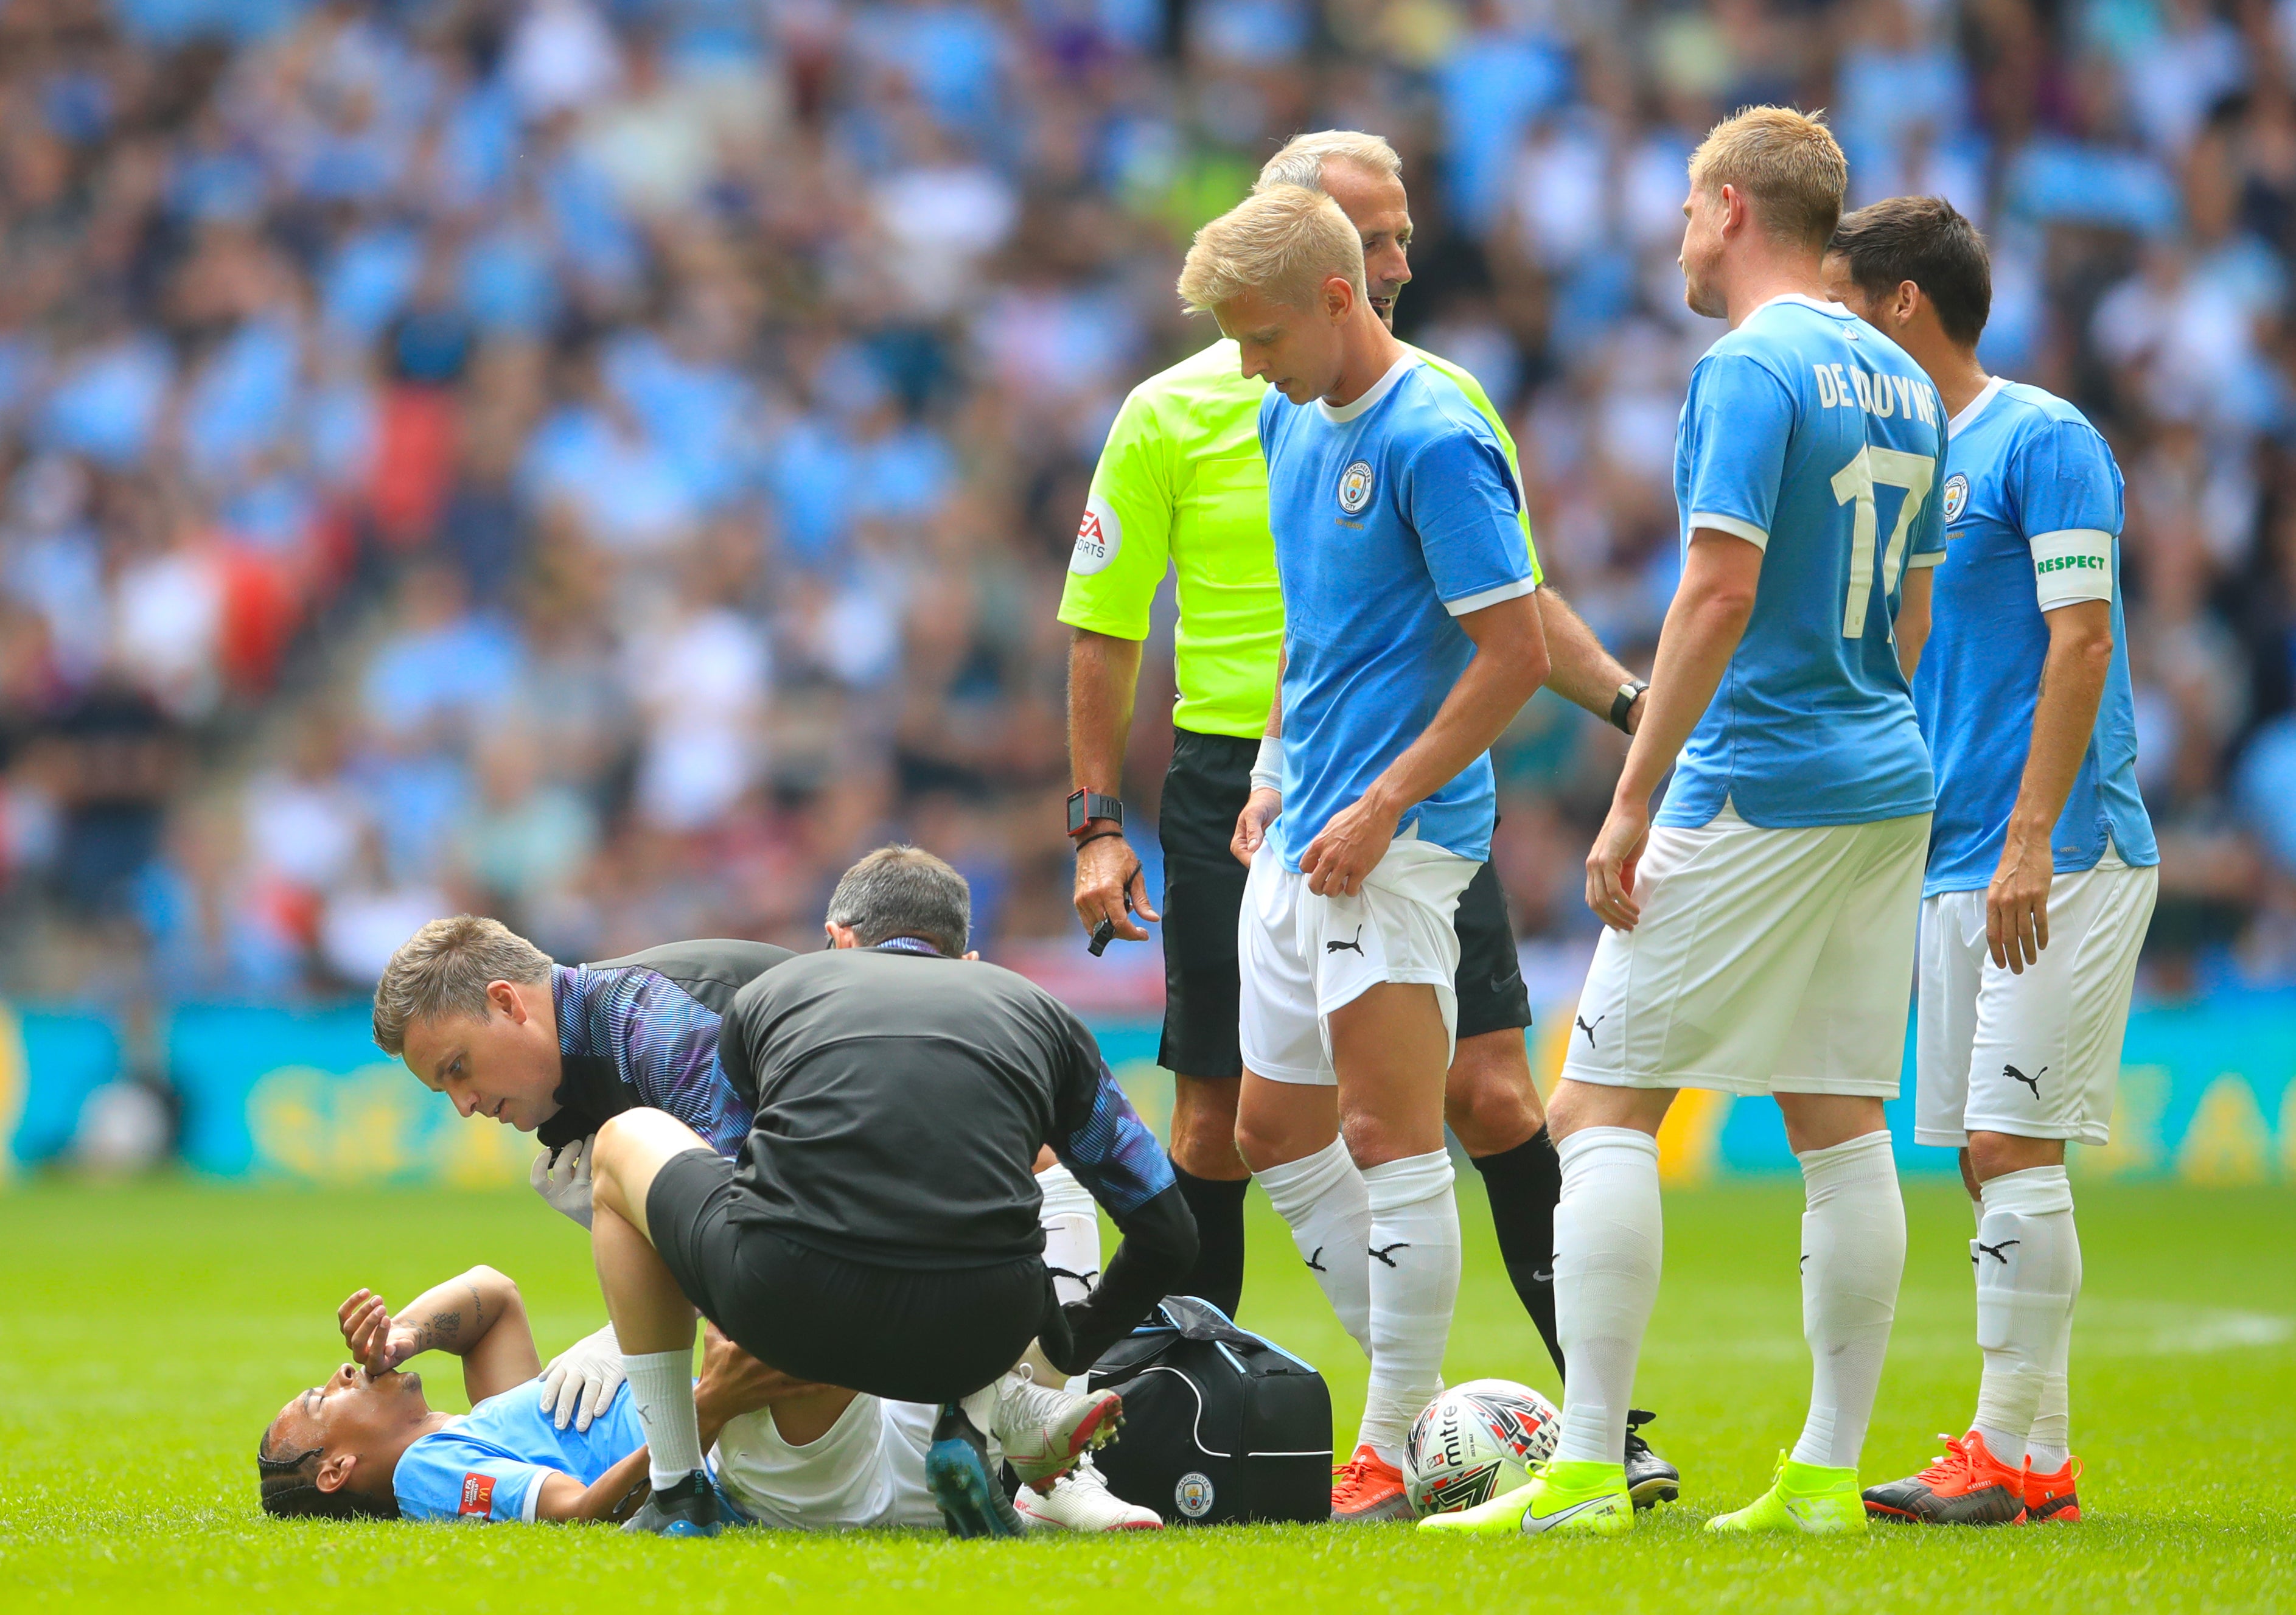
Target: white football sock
1322,1198
2050,1442
2028,1274
1071,1223
1413,1273
1853,1242
1610,1238
661,1389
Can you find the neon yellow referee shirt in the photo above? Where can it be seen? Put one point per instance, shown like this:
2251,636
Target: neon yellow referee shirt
1181,483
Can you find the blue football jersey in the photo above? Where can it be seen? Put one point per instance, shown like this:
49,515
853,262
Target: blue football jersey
1393,516
489,1464
2032,508
1810,434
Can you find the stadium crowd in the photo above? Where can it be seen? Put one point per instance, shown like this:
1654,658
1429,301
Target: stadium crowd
606,462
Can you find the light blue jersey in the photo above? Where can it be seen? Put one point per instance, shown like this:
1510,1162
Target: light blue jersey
489,1463
2032,507
1810,434
1393,516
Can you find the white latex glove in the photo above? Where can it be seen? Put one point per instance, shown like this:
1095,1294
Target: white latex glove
564,1180
582,1378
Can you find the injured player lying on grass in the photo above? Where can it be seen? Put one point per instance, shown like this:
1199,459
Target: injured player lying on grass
783,1452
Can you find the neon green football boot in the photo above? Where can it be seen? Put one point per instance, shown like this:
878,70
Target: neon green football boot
1805,1498
1579,1498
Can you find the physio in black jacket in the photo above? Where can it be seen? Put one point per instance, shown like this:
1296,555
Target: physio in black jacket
878,1228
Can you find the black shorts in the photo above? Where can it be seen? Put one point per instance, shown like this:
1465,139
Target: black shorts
1204,790
907,1334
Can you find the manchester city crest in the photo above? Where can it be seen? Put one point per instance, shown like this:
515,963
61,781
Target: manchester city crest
1956,497
1193,1493
1355,487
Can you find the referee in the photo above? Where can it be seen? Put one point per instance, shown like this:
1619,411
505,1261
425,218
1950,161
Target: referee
1181,482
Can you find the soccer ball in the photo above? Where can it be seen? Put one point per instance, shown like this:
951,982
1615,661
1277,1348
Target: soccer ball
1475,1441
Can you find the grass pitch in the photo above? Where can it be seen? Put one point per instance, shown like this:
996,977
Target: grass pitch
147,1333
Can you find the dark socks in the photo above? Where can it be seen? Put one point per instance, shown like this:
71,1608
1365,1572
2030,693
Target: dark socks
1217,1205
1524,1184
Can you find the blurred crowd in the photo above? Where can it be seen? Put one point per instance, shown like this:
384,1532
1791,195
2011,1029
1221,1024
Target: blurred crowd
606,462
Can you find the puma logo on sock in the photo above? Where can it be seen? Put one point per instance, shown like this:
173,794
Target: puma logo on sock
1997,1251
1382,1256
1315,1263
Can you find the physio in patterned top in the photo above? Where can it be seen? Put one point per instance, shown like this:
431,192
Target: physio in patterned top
2042,868
1761,934
1181,486
1412,639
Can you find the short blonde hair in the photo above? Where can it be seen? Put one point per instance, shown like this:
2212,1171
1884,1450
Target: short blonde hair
1301,161
1788,165
1283,241
444,969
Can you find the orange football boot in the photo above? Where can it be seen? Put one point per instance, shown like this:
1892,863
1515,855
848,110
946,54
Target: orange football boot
2051,1497
1968,1485
1366,1491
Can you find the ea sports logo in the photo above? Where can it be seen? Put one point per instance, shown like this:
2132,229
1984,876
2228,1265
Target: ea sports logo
1192,1496
1355,487
1099,535
1956,497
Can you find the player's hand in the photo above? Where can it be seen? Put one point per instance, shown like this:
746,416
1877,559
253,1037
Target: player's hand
564,1179
733,1383
582,1378
1261,808
1106,873
376,1342
1612,862
1347,848
2017,903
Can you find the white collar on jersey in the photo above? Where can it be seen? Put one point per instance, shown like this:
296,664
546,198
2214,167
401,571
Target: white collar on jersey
1804,299
1377,390
1974,407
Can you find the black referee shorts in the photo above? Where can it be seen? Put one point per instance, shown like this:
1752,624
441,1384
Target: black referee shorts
907,1334
1204,790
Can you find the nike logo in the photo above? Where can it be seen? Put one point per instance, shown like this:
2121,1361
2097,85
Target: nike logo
1357,946
1805,1261
1589,1031
1994,1251
1545,1275
1382,1256
1533,1523
2032,1082
1315,1263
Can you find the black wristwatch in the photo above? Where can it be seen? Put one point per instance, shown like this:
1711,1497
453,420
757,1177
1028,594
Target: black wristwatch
1621,704
1086,806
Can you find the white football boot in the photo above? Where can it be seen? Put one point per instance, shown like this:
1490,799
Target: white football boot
1080,1501
1043,1430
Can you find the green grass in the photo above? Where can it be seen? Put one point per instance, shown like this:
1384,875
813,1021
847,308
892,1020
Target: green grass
147,1333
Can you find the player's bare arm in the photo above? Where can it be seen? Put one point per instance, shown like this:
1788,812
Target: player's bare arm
1702,632
2064,718
1509,665
1913,624
1262,807
476,1315
1579,669
1104,673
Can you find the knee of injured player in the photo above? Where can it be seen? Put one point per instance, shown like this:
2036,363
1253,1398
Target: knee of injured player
1993,1155
468,1005
1488,1098
332,1450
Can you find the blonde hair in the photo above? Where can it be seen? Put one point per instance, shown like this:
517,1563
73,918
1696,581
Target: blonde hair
1301,161
1283,241
444,969
1787,164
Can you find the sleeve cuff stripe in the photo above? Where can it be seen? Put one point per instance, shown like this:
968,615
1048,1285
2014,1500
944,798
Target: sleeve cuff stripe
1759,537
1491,597
1927,558
533,1500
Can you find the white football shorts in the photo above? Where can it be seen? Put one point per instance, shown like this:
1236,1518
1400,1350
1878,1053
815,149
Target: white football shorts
1304,957
1766,962
2036,1054
869,1469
